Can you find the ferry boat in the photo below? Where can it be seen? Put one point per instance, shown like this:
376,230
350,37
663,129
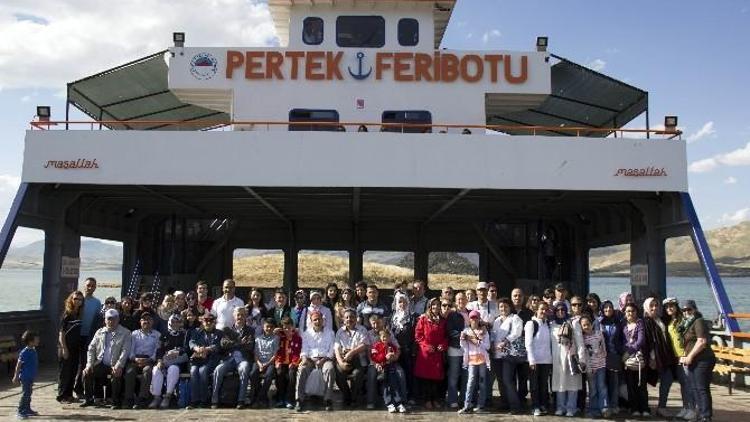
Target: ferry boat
357,133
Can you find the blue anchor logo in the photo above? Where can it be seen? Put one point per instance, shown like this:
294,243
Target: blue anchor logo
360,76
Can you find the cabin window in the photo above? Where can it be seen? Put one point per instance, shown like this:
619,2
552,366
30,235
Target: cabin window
408,32
312,31
412,117
319,116
360,31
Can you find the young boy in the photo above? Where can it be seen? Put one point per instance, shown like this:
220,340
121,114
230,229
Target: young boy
26,369
266,346
287,363
384,355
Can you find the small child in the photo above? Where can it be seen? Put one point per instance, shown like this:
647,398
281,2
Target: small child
287,363
26,369
475,343
596,368
266,346
384,354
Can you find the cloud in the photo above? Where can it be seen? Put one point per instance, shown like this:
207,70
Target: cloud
736,158
731,180
736,217
597,65
493,33
83,37
706,130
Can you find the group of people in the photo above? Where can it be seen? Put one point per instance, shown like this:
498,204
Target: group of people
571,354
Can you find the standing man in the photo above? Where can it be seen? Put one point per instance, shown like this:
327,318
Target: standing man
107,355
350,347
371,306
206,301
144,344
317,353
487,310
299,310
418,300
91,308
223,307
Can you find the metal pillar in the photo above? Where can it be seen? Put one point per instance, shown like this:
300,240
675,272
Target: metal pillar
355,258
291,262
648,268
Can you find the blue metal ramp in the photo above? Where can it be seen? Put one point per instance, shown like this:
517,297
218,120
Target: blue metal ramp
708,264
9,227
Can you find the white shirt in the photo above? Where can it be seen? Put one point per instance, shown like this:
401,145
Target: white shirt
509,329
487,311
223,309
538,346
317,344
348,340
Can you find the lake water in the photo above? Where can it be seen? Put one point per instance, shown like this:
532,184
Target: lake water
25,288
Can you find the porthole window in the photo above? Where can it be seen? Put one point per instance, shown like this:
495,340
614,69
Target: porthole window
408,32
360,31
312,31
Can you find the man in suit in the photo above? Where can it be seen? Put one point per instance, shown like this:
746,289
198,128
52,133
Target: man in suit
107,355
281,309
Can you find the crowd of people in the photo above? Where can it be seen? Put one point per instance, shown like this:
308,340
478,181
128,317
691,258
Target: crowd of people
570,355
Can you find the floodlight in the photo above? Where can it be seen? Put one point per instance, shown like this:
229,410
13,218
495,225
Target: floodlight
670,122
541,43
179,39
43,113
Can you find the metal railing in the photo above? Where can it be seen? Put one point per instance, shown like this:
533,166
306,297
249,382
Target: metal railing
355,127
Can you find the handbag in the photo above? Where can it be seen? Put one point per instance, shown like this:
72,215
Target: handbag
575,365
634,362
315,385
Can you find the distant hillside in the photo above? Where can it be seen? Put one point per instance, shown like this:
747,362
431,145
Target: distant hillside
95,255
730,247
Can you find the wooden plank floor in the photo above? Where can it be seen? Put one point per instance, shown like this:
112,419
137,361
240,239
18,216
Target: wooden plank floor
726,408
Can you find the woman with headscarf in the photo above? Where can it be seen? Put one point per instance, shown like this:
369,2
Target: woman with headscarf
673,319
171,359
698,358
403,322
612,331
624,299
661,359
432,342
635,358
568,354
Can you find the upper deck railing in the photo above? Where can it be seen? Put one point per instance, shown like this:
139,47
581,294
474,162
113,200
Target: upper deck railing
204,125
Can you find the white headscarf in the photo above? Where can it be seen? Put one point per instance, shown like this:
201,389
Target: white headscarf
400,316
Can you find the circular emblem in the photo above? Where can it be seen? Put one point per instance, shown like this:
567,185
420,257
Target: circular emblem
203,66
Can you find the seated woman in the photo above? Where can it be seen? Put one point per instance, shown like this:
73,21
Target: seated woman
171,358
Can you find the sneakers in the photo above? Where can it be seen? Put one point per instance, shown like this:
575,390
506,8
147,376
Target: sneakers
21,416
689,415
570,414
464,410
391,408
155,402
646,414
401,408
289,406
370,406
636,414
453,405
166,401
480,410
537,412
298,406
559,412
680,414
660,411
606,413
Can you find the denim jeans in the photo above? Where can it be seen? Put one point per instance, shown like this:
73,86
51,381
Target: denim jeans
261,383
686,388
200,379
509,383
392,387
372,382
457,379
567,401
666,378
598,396
476,381
613,389
24,405
539,378
699,374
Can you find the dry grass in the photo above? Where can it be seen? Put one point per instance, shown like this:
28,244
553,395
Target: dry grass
316,270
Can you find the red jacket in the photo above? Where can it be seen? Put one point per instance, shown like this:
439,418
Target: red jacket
380,350
289,349
429,364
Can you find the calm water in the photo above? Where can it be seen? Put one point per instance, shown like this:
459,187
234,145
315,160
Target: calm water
25,284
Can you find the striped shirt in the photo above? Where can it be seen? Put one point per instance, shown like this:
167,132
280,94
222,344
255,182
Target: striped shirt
596,350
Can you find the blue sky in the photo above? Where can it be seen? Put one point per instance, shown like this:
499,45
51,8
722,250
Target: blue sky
689,55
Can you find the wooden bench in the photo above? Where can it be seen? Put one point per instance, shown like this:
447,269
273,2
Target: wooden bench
9,352
731,361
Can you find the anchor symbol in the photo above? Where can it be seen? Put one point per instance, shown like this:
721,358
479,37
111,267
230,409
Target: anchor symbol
359,76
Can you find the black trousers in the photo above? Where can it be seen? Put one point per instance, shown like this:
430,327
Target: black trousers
82,355
286,382
637,392
99,375
539,378
67,371
356,373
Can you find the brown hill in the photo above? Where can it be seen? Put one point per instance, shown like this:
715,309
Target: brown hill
730,247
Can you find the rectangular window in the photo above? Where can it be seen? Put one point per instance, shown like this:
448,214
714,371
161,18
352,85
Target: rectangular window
360,31
312,31
321,116
408,32
415,117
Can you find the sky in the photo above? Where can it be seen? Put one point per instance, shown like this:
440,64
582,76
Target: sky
689,55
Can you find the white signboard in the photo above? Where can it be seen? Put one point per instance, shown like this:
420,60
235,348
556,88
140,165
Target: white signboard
639,275
70,267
